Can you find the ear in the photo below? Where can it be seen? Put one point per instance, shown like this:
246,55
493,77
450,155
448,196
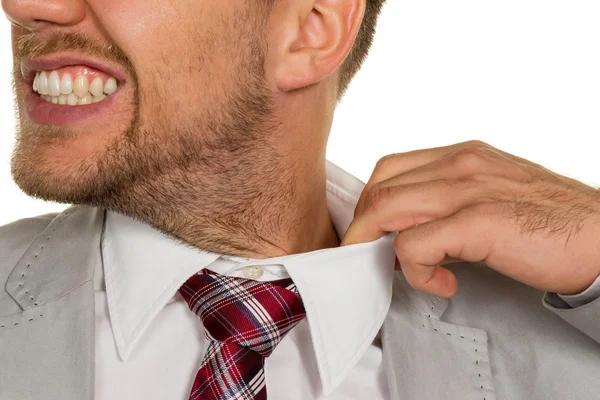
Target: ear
314,37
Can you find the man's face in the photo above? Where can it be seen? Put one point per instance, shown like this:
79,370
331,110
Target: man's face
190,90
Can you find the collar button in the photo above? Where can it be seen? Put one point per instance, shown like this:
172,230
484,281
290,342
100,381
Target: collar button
253,271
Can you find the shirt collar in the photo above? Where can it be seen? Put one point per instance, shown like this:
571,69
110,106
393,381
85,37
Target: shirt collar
346,291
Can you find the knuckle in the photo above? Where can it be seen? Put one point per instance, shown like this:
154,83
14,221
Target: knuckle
470,159
476,143
474,152
385,161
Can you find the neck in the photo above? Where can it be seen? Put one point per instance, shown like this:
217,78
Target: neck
260,196
297,223
280,211
255,204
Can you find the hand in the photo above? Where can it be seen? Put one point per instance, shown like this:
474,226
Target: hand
473,202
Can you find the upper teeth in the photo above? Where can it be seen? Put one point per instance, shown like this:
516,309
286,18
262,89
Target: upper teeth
78,91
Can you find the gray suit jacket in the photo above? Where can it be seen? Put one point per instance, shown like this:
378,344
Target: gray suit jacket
495,339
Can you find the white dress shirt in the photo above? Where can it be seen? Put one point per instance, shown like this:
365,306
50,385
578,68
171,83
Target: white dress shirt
149,345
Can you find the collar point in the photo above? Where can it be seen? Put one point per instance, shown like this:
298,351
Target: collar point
124,353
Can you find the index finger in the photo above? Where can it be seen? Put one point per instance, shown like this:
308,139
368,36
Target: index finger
399,163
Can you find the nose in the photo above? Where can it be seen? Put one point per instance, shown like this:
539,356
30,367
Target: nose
39,14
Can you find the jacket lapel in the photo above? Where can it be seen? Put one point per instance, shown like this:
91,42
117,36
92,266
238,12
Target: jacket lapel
49,346
52,339
426,358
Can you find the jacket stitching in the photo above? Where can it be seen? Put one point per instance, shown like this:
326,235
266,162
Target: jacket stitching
65,214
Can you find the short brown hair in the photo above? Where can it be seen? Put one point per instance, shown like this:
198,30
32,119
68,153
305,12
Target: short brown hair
360,49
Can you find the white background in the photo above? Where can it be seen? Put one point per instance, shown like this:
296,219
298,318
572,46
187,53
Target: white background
523,76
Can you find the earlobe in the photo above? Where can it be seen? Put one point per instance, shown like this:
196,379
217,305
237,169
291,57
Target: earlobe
321,41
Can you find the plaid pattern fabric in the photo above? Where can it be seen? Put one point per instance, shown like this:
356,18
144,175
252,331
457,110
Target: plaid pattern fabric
244,320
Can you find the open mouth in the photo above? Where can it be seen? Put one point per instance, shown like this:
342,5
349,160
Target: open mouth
74,85
66,89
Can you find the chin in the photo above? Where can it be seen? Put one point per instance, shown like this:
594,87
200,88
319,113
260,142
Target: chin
59,167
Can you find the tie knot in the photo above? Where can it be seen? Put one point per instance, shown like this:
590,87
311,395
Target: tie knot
252,314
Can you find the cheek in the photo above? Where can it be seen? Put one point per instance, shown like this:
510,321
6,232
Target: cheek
181,63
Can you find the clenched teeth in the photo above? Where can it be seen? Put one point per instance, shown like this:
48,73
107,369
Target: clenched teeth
72,90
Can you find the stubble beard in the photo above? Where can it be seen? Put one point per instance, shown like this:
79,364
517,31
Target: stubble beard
213,183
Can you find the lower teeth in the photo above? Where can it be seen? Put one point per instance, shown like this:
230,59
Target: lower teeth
72,99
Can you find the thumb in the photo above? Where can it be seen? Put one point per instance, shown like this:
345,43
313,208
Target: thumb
362,230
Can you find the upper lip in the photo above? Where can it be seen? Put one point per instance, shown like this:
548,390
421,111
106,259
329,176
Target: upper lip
30,66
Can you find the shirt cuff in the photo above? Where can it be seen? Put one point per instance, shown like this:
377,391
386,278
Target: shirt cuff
585,297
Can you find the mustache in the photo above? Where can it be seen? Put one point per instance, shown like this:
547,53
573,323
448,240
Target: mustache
29,45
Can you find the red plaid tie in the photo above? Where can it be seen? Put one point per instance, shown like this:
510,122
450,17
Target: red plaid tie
244,320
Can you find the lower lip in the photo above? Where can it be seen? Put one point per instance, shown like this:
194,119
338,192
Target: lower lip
42,112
